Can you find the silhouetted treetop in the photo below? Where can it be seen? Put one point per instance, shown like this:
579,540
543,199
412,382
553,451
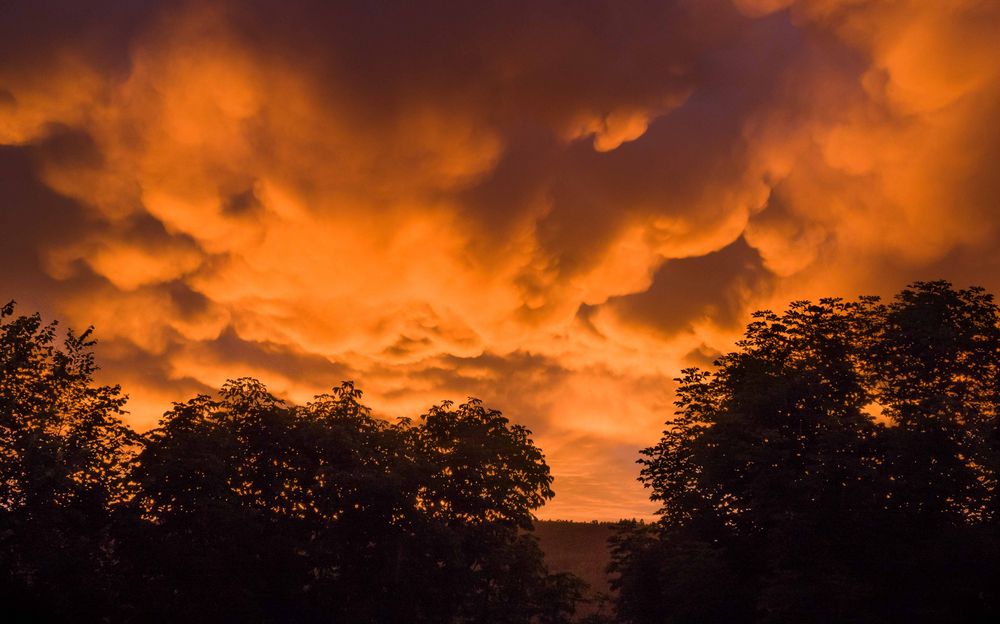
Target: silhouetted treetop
338,512
841,465
484,469
65,456
242,507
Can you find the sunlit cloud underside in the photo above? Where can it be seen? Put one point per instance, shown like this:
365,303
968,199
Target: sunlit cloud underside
552,206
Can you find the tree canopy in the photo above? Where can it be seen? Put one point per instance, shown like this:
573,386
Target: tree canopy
242,507
840,466
65,455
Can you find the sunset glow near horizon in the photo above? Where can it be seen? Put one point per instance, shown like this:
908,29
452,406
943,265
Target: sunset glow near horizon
552,206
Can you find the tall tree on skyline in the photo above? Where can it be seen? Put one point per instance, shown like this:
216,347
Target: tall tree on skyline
840,466
65,455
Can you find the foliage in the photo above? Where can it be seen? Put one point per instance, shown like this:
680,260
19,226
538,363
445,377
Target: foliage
64,458
841,466
242,507
259,506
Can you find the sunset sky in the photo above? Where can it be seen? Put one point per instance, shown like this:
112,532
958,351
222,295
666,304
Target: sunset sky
551,205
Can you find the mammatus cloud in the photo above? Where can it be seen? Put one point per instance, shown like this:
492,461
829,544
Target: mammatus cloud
551,206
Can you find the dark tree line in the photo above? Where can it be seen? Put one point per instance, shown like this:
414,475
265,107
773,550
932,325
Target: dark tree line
841,466
242,508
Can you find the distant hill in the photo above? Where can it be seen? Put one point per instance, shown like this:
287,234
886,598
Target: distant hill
580,548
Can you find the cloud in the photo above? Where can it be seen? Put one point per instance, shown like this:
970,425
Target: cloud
552,206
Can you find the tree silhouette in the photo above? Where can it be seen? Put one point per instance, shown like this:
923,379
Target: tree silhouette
64,458
241,507
249,509
840,467
213,537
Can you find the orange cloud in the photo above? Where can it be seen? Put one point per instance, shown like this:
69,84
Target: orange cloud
552,208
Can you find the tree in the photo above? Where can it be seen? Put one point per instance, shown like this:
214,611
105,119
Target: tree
64,458
242,507
484,478
247,508
835,468
214,530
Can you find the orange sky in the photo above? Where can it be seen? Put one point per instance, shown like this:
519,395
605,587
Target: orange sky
553,206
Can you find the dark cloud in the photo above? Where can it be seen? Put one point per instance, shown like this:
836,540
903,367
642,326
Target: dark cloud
689,290
32,219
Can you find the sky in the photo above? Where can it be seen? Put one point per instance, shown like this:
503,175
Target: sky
552,205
